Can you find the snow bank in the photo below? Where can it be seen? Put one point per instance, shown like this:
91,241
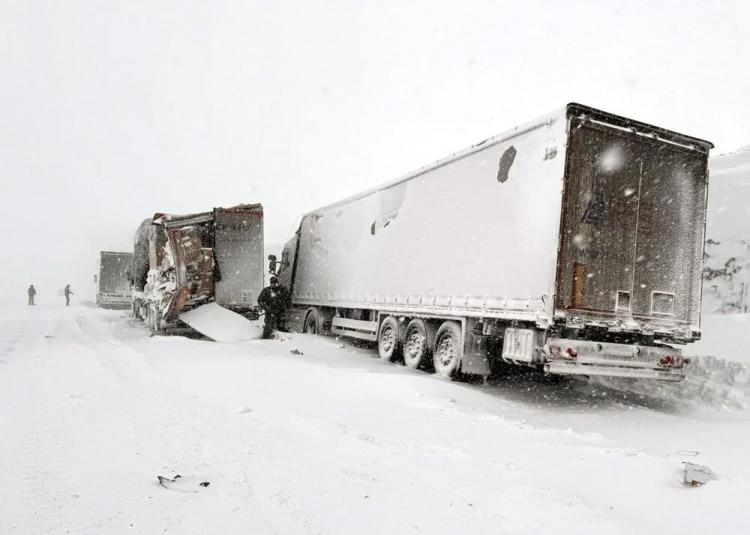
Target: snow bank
729,197
718,376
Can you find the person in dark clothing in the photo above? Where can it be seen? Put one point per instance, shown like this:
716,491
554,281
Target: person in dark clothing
274,300
68,293
32,294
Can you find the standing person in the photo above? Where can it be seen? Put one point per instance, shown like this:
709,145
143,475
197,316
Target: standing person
68,293
32,294
274,300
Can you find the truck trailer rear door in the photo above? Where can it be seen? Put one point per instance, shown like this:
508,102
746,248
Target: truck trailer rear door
239,255
632,227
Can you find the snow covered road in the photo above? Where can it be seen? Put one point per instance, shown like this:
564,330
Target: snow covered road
92,409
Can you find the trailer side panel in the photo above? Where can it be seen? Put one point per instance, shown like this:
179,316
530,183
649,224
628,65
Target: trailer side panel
475,235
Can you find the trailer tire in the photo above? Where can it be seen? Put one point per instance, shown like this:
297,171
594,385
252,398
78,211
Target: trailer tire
312,322
415,348
448,351
388,341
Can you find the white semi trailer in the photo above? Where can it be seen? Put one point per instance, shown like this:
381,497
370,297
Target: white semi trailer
573,244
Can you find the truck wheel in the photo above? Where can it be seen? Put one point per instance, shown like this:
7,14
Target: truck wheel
149,320
388,343
448,350
154,320
415,344
312,322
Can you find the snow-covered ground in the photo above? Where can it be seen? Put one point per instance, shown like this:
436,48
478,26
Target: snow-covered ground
92,409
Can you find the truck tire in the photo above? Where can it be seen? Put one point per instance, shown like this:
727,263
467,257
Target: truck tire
154,320
312,322
415,348
448,351
388,342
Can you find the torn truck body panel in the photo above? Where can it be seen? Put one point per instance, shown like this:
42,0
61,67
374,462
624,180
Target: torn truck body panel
200,258
114,285
581,226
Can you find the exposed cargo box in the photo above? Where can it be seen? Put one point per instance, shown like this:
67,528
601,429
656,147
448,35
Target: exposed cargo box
182,262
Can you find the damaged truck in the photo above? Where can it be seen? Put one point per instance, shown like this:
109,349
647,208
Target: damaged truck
113,286
182,262
572,244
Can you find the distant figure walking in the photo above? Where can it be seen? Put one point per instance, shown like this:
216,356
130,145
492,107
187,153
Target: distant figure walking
32,294
274,300
68,293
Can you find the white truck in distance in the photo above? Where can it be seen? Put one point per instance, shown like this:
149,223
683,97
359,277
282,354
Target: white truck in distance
573,244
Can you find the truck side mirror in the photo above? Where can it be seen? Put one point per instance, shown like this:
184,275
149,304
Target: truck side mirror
275,266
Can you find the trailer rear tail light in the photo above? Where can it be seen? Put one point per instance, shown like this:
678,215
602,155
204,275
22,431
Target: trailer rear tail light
666,361
557,352
673,362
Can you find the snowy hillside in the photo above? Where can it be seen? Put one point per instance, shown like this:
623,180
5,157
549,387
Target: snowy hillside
727,260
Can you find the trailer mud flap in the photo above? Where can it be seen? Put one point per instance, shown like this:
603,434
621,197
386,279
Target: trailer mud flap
476,358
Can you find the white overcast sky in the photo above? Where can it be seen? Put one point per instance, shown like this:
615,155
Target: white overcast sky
111,111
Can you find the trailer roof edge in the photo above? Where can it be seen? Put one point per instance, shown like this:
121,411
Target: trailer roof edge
571,108
574,108
545,120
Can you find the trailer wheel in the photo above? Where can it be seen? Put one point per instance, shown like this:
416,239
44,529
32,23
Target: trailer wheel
312,322
415,344
448,350
388,342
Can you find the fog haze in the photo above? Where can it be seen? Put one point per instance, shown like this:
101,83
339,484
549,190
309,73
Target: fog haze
114,111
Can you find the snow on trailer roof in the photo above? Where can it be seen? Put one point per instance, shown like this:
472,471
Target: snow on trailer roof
171,220
572,108
638,127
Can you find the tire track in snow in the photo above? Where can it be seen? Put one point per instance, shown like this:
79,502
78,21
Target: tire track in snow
42,486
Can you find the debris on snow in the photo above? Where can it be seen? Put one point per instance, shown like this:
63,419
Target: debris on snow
697,474
164,481
296,352
220,324
181,484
